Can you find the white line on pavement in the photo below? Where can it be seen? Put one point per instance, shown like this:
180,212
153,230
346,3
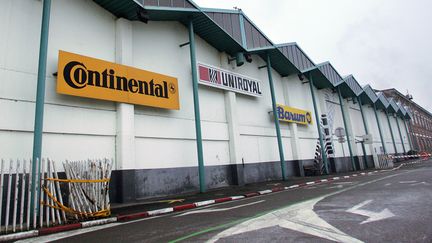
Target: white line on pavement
212,210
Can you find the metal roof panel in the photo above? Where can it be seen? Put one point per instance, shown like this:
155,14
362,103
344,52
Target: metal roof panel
368,96
393,105
382,102
330,73
296,56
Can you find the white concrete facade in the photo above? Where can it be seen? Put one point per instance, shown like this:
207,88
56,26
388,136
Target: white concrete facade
237,129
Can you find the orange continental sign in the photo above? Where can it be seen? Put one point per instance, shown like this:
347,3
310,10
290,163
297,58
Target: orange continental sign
94,78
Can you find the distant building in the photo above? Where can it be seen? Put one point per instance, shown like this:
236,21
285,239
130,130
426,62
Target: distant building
420,127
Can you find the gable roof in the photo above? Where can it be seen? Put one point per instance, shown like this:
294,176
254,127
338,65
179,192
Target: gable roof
324,75
350,87
368,96
382,102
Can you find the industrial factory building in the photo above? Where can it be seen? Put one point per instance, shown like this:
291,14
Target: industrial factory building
183,98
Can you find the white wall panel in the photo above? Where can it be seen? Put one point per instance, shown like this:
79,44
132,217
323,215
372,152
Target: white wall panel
166,127
249,149
17,115
170,153
305,148
164,153
20,46
59,147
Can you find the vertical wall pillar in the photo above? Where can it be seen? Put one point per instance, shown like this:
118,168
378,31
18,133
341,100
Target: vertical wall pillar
40,97
294,139
400,135
201,171
347,130
391,132
408,135
366,132
276,120
379,129
318,123
125,116
234,137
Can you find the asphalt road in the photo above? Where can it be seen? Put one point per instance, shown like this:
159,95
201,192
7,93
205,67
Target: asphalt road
393,206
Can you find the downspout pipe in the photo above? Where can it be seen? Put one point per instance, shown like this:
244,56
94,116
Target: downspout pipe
40,100
346,128
391,132
379,129
201,170
276,119
365,128
317,117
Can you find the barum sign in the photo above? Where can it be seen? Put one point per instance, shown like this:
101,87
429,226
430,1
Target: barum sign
93,78
289,114
223,79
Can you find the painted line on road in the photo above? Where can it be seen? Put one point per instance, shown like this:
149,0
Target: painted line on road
273,210
212,210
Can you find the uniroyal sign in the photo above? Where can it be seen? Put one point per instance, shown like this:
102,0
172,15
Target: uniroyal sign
94,78
227,80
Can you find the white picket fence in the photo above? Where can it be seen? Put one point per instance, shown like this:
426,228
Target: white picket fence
89,200
86,188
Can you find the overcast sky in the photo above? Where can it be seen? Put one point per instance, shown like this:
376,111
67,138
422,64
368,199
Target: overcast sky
386,43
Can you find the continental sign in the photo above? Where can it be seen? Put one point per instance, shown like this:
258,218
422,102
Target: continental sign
289,114
223,79
93,78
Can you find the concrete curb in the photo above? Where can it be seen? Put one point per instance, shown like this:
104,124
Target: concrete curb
152,213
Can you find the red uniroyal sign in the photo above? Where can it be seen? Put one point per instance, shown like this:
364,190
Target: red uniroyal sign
224,79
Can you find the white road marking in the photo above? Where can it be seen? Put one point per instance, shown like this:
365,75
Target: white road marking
338,186
421,183
344,182
387,184
299,217
372,216
407,182
212,210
